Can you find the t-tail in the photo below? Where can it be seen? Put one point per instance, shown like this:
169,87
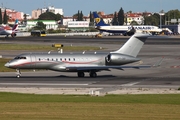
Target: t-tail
98,20
15,27
133,46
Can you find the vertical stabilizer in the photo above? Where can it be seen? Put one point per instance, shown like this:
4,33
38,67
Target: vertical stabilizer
133,45
98,20
15,27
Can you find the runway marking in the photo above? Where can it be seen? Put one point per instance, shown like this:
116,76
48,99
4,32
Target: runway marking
42,84
130,84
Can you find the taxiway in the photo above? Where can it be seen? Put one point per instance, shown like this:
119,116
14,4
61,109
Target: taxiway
163,77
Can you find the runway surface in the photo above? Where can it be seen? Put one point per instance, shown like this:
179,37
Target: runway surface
165,76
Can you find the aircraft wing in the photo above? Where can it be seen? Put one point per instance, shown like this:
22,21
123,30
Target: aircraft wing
99,68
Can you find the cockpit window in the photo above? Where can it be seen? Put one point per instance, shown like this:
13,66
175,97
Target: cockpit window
20,57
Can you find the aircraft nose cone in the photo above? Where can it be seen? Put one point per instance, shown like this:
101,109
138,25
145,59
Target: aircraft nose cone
6,65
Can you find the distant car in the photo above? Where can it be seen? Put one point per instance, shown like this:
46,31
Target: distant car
38,33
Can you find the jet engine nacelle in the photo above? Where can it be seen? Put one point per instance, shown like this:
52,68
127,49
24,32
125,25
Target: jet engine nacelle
119,59
130,32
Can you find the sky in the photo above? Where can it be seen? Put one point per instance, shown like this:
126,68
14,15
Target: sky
71,7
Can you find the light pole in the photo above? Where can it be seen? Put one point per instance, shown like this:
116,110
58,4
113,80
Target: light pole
160,14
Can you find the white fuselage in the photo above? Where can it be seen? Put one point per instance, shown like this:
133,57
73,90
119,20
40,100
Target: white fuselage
123,29
60,62
5,32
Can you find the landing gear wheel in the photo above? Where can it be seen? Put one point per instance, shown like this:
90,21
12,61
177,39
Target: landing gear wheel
80,74
92,74
18,73
18,76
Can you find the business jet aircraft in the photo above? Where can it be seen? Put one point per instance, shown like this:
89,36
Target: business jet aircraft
7,30
85,62
124,29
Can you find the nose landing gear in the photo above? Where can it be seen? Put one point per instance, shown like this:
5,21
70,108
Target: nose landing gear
18,72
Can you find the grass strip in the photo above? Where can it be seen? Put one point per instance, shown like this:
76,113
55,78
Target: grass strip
3,68
78,107
45,47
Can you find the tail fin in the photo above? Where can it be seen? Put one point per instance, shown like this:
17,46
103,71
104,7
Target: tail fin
133,45
15,27
99,21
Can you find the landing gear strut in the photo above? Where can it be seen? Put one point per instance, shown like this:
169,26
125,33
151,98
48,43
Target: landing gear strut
6,36
18,72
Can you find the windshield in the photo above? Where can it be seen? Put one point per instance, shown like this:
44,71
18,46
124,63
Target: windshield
19,57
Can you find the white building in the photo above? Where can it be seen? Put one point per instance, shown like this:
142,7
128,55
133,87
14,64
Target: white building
55,10
50,24
38,12
135,17
70,19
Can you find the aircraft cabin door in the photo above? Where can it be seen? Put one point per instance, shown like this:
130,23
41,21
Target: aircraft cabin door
33,61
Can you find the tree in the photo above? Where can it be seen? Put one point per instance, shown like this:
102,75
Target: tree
91,19
78,16
134,23
81,16
0,16
50,16
172,14
121,16
152,20
115,19
58,17
25,19
40,26
5,18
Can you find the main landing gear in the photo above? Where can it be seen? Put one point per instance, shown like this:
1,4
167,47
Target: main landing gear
91,74
7,36
18,72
